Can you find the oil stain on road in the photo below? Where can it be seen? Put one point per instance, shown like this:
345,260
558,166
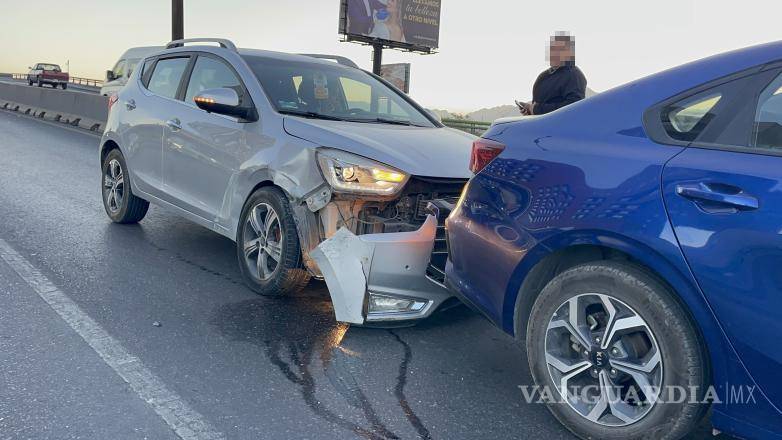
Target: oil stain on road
307,351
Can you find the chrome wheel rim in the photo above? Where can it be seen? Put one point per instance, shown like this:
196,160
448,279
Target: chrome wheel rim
114,186
262,241
603,359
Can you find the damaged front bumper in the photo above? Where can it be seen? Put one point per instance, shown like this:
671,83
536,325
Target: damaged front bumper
377,278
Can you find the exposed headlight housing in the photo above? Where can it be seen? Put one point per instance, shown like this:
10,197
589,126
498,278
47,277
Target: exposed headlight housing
353,174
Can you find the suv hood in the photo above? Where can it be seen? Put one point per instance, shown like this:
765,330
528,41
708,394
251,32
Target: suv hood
419,151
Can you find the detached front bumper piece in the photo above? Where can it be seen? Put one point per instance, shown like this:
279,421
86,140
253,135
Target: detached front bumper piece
377,278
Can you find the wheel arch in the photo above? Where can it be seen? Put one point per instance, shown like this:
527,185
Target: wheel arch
107,146
242,191
558,254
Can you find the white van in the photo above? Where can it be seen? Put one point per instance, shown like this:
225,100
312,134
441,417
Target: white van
117,77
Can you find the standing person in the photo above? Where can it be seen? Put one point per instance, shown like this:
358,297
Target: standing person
361,15
561,84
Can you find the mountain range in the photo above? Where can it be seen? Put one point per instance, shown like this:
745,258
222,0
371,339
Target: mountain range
488,114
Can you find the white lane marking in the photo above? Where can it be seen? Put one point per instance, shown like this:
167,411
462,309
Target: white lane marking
185,421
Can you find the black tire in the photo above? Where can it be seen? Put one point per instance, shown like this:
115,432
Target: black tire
29,82
683,354
288,276
40,83
64,86
130,209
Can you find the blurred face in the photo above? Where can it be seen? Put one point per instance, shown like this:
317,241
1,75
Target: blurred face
561,52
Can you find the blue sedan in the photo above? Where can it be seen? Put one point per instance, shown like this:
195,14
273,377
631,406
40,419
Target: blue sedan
633,242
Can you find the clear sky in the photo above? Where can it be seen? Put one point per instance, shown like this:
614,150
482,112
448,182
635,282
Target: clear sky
490,50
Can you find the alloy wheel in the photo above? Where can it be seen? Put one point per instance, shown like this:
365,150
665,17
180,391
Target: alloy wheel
114,186
603,359
263,241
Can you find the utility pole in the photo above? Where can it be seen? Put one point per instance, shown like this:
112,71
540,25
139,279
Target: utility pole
377,58
177,20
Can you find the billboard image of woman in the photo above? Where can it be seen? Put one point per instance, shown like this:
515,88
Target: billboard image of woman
396,23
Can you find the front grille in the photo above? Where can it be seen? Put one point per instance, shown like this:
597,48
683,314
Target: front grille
436,269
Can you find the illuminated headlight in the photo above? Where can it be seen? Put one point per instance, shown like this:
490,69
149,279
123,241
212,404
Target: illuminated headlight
389,304
349,173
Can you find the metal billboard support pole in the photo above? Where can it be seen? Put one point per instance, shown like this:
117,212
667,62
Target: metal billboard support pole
177,20
377,58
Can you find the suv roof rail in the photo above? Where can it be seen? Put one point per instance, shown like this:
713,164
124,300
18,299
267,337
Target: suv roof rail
224,43
340,60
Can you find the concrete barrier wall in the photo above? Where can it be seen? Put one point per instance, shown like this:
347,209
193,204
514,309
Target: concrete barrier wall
86,110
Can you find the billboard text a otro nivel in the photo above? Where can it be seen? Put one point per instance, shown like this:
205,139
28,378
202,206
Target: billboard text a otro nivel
405,24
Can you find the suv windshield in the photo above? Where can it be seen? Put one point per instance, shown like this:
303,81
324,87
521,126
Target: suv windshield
319,90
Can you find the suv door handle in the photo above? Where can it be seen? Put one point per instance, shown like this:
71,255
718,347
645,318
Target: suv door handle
174,124
130,105
718,193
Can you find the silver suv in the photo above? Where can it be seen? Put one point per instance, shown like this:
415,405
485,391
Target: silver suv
280,152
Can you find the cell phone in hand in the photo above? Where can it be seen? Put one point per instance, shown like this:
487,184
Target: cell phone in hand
522,106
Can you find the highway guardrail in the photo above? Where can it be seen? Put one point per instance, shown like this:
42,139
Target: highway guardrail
86,82
85,110
473,127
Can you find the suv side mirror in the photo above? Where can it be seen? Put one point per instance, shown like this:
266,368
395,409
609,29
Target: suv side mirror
224,101
110,75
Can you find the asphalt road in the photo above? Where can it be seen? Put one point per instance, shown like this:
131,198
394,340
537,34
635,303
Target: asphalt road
252,367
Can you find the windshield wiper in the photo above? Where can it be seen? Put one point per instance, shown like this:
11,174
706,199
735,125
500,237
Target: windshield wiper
314,115
386,121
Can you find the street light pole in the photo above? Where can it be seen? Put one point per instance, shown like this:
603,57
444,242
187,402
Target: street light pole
177,20
377,58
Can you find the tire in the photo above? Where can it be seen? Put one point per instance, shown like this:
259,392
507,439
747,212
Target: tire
118,200
40,83
667,330
64,86
29,82
278,240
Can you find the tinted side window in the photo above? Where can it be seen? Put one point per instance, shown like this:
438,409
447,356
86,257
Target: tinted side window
767,127
146,71
132,66
167,76
717,116
210,73
684,120
119,69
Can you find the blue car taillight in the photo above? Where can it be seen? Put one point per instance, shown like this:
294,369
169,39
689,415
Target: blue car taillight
483,152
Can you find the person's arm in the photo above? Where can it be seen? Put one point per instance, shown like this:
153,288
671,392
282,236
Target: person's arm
573,91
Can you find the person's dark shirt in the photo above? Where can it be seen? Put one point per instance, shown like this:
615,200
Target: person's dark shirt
556,88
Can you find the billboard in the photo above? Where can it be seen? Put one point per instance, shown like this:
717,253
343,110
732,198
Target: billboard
404,24
398,75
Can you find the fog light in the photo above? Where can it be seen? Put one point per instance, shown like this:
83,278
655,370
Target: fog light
390,304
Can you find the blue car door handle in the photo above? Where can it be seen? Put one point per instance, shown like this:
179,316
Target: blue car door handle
718,193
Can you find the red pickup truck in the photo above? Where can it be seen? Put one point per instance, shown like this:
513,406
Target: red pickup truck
46,73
